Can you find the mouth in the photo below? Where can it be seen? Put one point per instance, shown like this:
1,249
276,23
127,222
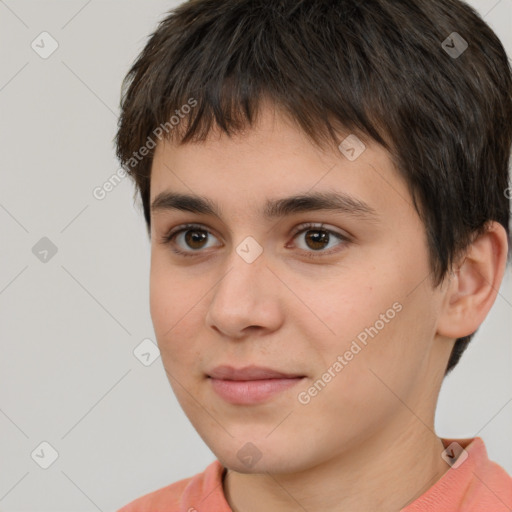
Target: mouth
250,385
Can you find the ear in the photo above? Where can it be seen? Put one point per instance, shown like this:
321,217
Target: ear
472,288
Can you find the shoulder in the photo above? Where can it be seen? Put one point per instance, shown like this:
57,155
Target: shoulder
177,496
491,485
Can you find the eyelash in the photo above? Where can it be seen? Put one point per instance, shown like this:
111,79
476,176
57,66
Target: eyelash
169,238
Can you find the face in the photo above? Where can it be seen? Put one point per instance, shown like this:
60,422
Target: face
339,298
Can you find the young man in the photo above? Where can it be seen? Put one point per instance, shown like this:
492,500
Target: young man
325,187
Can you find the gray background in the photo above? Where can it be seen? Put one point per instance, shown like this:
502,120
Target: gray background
69,325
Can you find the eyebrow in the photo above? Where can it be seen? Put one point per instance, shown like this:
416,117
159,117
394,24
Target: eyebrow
339,202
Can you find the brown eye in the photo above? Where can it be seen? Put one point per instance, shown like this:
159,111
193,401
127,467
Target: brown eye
189,239
195,238
318,238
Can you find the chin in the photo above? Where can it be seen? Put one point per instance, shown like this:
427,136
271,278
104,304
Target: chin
252,458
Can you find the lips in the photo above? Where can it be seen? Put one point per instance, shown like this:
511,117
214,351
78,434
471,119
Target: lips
249,373
250,385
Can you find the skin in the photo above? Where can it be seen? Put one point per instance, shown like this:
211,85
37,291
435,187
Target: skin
367,440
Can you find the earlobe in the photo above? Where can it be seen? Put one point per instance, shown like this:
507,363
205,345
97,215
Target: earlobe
473,286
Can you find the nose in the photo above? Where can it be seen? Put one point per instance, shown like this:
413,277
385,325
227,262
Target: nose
247,297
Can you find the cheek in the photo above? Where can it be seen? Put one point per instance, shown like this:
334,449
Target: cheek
389,362
162,299
171,293
174,313
340,310
384,326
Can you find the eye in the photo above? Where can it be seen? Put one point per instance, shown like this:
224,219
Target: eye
194,235
318,238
